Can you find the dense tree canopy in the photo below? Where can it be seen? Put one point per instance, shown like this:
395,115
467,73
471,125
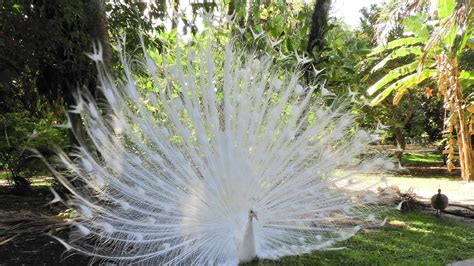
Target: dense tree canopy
393,53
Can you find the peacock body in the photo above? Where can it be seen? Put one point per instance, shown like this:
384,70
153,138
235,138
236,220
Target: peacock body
217,164
439,202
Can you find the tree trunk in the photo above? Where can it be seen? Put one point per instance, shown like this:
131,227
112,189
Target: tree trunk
397,123
319,26
174,17
98,32
231,9
97,24
316,38
248,12
235,8
399,138
97,29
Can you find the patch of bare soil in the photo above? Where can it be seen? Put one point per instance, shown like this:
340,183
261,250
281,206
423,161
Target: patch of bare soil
430,170
33,246
408,148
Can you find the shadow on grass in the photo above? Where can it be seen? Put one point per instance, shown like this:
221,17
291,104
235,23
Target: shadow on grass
426,240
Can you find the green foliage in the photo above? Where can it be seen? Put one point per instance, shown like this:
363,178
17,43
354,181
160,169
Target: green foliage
467,78
407,64
128,17
397,54
405,53
380,72
368,22
393,75
396,44
445,8
43,47
340,64
42,50
21,132
401,85
419,25
287,25
425,125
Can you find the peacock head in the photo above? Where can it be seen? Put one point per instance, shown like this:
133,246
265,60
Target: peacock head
252,214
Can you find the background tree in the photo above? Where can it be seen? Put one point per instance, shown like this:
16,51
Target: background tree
43,59
46,41
319,27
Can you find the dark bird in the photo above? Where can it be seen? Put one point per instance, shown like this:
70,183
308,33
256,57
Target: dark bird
439,202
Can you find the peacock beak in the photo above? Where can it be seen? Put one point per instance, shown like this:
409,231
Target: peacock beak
254,215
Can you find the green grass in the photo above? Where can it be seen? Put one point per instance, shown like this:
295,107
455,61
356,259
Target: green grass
422,157
426,240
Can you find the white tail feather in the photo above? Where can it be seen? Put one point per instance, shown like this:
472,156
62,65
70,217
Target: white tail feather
176,185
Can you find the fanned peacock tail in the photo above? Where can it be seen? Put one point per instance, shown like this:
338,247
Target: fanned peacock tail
173,172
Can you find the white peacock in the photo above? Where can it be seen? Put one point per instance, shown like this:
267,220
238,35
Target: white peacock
219,163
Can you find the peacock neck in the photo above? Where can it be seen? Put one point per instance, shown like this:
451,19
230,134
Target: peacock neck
247,250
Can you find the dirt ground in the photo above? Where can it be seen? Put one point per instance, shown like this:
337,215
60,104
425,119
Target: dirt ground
33,248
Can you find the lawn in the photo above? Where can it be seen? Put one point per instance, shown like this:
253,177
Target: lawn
421,157
426,240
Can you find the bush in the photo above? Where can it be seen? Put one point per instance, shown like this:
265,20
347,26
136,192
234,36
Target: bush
20,132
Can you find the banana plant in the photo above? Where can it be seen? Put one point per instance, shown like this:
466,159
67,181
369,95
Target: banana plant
426,39
430,52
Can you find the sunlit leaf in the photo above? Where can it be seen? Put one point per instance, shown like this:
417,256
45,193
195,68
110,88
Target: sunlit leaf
450,36
465,41
417,25
396,43
403,84
399,53
393,75
446,8
467,78
468,75
17,7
